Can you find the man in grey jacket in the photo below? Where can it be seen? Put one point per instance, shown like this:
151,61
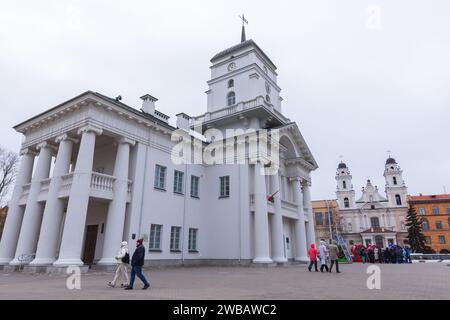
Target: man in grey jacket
334,255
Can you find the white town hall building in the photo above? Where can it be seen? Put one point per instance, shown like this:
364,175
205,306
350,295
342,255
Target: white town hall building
95,172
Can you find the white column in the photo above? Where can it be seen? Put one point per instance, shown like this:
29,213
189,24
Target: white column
357,224
14,217
29,232
262,254
300,227
74,224
116,212
54,207
277,223
311,234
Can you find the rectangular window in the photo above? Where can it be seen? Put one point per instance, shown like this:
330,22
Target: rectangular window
160,177
175,239
193,239
349,228
155,237
374,222
438,225
178,182
319,219
194,186
422,211
224,186
448,210
428,240
441,239
435,210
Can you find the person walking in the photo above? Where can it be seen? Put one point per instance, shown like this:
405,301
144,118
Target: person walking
334,255
363,254
312,253
137,261
323,256
123,259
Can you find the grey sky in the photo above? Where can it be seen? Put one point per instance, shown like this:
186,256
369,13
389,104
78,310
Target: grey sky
357,85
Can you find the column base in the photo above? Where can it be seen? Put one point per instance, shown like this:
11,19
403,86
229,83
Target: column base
68,262
280,260
302,259
262,260
5,261
42,262
107,262
17,262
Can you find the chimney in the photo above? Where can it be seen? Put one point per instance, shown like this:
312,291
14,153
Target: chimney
148,104
183,121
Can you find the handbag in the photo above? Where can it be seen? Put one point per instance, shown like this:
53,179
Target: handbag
126,258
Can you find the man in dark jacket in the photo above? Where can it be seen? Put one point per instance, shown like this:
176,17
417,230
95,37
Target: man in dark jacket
137,261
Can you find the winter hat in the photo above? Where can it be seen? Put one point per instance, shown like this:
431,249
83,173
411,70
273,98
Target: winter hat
139,242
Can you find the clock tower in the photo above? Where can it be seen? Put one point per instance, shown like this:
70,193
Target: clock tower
242,73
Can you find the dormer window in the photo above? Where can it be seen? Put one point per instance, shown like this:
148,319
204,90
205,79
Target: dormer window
231,98
230,83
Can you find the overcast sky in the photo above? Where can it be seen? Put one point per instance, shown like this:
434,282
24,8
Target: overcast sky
359,77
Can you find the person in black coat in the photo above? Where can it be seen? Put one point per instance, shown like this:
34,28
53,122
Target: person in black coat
137,261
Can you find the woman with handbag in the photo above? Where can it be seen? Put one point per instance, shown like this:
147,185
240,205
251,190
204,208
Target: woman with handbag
123,259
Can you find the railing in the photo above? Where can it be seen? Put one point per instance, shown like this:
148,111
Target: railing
67,180
26,189
102,182
289,205
259,101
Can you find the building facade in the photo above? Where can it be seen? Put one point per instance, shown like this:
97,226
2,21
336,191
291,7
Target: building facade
373,218
117,175
434,211
326,220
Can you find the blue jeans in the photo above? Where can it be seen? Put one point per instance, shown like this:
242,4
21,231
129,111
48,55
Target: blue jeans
137,271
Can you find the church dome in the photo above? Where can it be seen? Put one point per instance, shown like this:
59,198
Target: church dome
342,165
391,161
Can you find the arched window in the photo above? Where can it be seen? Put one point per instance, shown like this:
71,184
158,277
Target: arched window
394,179
374,222
346,203
425,225
231,98
344,184
379,241
230,83
398,199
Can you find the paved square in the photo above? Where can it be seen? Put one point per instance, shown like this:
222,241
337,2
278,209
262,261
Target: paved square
416,281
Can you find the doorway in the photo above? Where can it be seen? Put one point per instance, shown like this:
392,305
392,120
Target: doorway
90,244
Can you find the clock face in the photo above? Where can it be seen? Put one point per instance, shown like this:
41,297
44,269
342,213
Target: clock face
267,87
231,66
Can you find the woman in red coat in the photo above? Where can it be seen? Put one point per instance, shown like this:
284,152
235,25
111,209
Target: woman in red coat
312,253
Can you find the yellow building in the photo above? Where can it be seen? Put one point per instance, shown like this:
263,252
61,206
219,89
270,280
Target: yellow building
325,223
435,213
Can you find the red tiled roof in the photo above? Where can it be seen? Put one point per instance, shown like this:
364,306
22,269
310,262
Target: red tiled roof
430,197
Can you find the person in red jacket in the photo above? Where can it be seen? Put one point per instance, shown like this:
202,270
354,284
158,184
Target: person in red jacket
312,253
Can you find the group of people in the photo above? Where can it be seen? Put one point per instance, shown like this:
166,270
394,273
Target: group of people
137,262
372,254
326,255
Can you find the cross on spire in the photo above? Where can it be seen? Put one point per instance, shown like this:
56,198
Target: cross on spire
244,21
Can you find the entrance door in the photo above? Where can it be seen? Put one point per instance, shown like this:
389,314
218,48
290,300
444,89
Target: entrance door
379,241
90,243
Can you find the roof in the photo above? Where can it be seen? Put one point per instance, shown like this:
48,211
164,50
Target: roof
378,230
430,198
241,46
391,161
111,100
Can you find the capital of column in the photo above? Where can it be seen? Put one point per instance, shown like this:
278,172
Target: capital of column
90,128
28,151
45,145
125,140
64,137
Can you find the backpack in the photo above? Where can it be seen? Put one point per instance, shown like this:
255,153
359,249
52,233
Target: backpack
126,258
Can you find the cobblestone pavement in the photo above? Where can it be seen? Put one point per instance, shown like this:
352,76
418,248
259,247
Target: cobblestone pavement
416,281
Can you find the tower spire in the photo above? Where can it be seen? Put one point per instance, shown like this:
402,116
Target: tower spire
244,21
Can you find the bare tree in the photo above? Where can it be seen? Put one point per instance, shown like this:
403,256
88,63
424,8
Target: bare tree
8,166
